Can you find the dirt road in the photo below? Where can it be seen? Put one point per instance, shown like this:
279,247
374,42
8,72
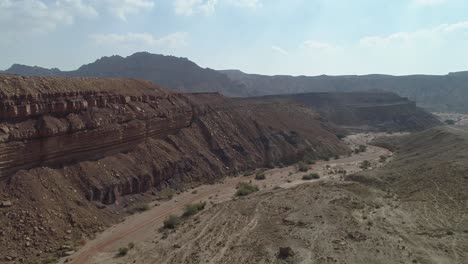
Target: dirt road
143,228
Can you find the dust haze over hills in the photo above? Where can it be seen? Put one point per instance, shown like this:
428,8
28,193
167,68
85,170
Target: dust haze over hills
442,93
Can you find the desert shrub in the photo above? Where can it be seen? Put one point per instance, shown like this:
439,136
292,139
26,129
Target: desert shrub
167,193
244,189
192,209
50,259
450,122
311,176
362,148
171,222
340,135
365,165
383,158
138,207
326,159
336,157
131,245
260,176
122,252
301,166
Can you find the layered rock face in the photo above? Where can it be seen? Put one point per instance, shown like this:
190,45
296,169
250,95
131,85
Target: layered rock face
51,122
70,145
379,111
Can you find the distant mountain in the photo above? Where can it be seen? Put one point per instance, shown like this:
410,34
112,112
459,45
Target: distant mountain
172,72
32,71
445,93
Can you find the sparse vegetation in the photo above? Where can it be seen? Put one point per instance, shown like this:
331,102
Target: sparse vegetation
311,176
244,189
301,166
122,252
337,157
326,159
365,165
309,159
138,207
450,122
166,193
192,209
260,176
361,148
383,158
171,222
340,135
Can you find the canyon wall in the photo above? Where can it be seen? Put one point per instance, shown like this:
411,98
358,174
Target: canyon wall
73,151
365,111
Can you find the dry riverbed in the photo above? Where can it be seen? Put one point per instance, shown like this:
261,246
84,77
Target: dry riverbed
142,229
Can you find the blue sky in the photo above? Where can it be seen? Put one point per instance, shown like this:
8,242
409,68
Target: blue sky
298,37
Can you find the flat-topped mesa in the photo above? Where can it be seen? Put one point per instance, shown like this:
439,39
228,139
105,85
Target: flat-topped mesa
52,121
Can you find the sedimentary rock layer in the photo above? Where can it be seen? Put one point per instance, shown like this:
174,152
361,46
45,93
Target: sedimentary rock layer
62,156
378,111
54,121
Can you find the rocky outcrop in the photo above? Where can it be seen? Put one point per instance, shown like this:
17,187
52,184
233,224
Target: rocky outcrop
50,122
366,111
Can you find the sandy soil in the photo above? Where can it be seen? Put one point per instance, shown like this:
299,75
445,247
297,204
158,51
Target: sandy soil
144,227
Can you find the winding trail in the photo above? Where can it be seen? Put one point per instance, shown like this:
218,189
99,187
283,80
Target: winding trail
144,227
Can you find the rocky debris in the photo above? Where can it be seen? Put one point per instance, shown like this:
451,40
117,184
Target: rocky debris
285,253
6,204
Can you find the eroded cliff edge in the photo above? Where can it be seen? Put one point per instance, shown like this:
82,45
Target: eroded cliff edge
69,145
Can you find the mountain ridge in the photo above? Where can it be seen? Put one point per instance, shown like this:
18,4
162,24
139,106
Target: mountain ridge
440,93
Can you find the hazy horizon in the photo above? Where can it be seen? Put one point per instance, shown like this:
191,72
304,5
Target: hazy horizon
295,37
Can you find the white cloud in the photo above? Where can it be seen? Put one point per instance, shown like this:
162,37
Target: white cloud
279,50
41,16
245,3
437,33
123,8
429,2
174,40
317,45
207,7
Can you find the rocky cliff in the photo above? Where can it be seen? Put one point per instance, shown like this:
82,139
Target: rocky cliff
365,111
73,150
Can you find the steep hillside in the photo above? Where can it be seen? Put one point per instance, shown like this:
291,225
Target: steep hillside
368,111
74,152
444,93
